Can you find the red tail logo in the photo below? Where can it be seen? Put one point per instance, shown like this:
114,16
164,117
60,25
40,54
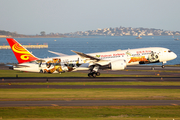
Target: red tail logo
21,53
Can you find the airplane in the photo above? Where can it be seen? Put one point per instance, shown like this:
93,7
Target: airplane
113,60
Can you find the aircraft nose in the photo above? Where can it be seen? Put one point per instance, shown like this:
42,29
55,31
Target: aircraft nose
174,55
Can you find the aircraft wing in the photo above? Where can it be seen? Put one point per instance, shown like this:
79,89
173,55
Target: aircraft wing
86,56
89,56
60,54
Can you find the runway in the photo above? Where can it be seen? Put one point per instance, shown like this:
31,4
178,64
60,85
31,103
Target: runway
156,67
97,79
90,103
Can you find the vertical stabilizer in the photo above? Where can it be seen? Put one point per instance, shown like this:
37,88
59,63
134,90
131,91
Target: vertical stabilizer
21,53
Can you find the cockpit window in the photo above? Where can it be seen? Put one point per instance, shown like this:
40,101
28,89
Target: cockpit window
169,51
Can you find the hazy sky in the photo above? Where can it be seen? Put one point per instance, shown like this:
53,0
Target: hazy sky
63,16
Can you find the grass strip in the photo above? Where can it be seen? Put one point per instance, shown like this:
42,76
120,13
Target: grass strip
163,83
97,118
92,112
89,94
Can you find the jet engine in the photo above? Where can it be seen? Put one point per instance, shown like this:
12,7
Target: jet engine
118,65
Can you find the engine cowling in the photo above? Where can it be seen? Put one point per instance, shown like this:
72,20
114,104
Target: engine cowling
118,65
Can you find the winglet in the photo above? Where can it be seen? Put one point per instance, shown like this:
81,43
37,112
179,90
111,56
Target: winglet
21,53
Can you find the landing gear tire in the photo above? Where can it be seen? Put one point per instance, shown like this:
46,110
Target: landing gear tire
94,75
98,73
41,71
163,66
90,75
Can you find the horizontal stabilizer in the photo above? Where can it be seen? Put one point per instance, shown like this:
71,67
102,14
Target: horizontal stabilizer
21,66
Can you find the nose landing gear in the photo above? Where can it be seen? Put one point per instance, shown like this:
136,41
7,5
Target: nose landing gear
163,66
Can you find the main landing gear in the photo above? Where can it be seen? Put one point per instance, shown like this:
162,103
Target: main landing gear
94,74
94,71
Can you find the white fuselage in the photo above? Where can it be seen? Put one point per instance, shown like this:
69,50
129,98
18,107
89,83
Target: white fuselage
69,63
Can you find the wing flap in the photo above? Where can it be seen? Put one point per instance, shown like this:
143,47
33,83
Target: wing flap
86,56
92,58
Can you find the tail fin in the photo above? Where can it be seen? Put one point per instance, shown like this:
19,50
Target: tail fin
21,53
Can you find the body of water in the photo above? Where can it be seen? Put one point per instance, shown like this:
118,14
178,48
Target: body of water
90,45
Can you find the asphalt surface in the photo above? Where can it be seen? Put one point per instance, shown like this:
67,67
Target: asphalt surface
98,79
156,67
90,103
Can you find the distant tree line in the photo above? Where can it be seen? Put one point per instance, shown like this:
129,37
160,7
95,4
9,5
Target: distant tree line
42,34
12,34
